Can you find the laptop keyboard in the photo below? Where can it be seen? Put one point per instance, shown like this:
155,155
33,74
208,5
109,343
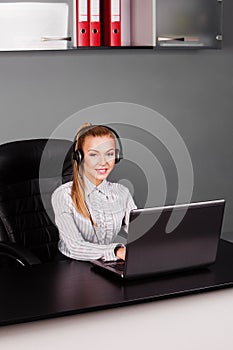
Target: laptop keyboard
118,265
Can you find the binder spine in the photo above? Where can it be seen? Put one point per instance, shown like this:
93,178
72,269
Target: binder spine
94,21
115,35
82,23
111,22
125,23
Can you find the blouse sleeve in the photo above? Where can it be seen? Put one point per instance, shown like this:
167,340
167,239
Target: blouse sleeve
74,246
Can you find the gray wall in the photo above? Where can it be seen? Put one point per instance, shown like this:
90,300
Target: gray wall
192,89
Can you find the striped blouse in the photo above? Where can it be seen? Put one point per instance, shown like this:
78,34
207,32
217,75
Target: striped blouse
109,203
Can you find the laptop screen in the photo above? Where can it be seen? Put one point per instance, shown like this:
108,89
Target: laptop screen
192,242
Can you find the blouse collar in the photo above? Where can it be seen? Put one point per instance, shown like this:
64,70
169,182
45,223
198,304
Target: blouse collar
90,187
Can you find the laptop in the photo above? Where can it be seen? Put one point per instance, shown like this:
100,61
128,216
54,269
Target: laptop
168,239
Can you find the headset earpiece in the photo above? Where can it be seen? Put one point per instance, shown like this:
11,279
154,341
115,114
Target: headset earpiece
118,156
78,154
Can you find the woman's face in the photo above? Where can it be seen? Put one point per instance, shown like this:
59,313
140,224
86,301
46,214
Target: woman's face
99,157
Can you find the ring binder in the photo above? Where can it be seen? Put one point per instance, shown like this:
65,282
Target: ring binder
94,22
111,16
82,23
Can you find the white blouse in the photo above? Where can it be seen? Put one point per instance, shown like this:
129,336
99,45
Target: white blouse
109,203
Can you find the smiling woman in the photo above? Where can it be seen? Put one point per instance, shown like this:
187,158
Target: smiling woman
89,211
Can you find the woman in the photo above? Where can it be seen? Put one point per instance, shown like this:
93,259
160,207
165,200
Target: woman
89,210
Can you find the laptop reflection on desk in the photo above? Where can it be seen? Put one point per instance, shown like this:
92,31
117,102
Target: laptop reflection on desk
152,250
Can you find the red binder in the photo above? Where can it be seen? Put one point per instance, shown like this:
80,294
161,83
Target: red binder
82,23
111,20
94,22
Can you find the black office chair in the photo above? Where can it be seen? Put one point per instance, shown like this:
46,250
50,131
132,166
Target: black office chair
30,170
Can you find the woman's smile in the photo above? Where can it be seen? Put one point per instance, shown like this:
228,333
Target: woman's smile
102,170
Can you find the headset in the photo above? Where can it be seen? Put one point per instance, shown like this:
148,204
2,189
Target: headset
78,154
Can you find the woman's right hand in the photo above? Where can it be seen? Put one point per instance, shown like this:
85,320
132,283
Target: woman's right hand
120,252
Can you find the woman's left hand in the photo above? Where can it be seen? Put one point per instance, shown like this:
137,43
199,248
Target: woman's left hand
120,253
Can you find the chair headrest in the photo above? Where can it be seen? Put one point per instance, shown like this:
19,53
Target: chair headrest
29,159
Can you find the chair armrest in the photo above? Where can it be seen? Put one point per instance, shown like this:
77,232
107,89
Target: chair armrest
18,253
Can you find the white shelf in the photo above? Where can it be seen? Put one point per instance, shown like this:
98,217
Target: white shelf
152,24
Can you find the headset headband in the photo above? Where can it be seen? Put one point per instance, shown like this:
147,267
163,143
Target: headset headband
78,154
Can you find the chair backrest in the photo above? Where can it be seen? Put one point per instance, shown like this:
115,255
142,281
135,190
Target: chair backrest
30,170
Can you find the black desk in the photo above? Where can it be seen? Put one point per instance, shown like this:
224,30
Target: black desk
70,287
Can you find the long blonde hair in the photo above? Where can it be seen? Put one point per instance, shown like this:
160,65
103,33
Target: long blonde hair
78,185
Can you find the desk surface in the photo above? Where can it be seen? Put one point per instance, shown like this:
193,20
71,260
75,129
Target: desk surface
70,287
